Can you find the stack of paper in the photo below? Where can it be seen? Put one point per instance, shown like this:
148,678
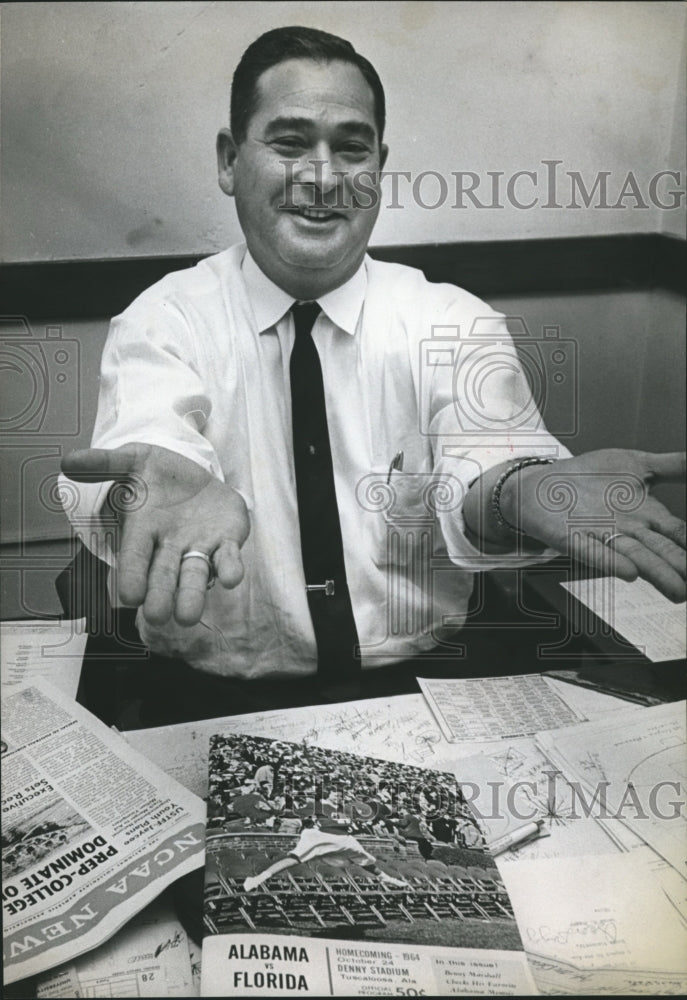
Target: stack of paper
149,957
50,649
600,925
637,612
592,922
511,784
630,768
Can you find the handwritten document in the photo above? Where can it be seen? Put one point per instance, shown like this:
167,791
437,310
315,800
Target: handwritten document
398,729
488,708
633,767
637,611
53,650
598,924
492,800
511,782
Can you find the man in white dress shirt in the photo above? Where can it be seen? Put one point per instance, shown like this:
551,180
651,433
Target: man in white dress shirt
195,411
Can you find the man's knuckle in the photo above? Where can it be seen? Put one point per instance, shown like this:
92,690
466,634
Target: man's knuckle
164,576
191,588
169,546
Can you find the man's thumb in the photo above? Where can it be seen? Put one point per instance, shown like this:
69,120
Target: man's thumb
95,465
667,467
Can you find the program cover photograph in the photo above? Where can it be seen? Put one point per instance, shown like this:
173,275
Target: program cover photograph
381,861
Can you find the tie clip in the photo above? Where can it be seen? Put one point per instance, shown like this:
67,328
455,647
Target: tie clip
327,587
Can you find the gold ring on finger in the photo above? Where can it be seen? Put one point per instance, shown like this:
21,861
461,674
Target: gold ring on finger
197,554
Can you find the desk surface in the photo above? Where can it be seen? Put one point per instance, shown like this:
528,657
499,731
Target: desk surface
491,651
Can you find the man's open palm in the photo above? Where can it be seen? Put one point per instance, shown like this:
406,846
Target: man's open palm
598,508
174,507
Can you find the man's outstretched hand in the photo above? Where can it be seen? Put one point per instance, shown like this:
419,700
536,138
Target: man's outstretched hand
174,506
598,508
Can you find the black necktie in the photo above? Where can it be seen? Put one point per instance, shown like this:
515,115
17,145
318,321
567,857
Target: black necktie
318,514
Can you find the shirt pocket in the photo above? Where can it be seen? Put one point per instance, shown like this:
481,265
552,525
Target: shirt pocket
399,514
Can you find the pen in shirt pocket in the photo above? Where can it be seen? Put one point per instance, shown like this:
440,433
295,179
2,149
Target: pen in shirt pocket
395,464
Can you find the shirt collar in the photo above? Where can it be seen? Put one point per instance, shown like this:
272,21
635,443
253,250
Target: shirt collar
269,302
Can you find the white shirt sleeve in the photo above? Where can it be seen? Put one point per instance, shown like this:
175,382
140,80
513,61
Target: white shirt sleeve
480,412
151,391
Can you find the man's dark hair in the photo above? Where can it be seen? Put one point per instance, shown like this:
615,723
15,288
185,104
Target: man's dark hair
277,46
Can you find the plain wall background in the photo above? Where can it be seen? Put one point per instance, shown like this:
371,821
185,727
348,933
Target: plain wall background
110,112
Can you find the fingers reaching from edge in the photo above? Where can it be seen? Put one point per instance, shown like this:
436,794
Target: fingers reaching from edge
649,555
662,547
667,467
672,527
657,560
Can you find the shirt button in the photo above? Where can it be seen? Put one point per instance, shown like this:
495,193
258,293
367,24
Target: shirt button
312,450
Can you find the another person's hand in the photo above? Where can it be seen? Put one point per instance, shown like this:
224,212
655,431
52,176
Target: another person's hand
182,509
598,508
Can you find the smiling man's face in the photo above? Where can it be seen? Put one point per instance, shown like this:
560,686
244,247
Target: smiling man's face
305,178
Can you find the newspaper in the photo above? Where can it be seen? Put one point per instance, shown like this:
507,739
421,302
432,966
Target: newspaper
341,875
54,650
91,830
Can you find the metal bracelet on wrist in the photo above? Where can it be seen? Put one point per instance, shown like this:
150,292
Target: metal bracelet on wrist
495,502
